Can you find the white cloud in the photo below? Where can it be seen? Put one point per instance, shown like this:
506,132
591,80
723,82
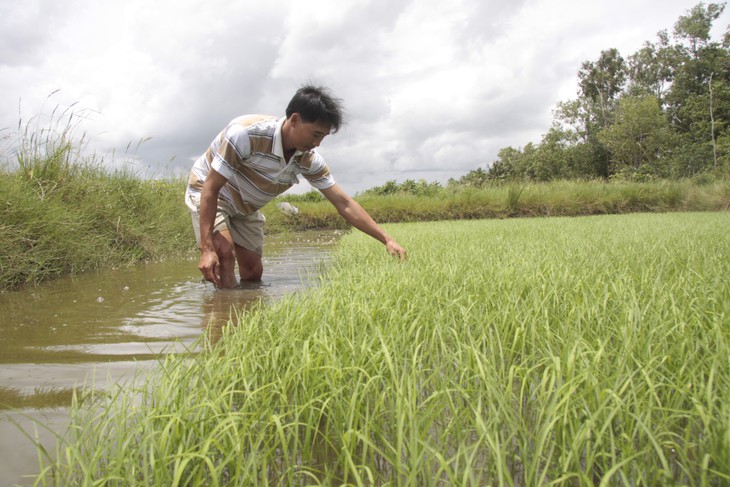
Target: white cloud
433,89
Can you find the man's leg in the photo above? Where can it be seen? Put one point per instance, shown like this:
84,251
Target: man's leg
248,236
222,239
224,247
249,264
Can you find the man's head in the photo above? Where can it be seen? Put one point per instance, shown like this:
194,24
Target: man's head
316,104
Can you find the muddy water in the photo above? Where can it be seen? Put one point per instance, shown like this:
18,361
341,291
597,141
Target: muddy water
103,327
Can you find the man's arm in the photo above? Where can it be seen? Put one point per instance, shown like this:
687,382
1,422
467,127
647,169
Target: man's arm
209,263
356,216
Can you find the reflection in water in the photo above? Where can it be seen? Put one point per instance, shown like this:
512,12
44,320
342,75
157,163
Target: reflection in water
90,329
222,306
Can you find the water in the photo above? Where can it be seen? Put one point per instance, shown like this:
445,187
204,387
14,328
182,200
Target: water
101,328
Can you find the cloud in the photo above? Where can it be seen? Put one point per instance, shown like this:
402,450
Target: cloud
25,36
432,89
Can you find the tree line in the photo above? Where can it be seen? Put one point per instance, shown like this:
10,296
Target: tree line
663,112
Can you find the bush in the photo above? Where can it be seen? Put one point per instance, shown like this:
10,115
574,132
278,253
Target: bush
409,186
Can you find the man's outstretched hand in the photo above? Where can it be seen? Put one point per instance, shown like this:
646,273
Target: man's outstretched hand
396,250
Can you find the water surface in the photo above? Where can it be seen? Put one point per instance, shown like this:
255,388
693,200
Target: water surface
102,327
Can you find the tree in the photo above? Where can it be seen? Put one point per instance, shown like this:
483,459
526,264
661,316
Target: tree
695,27
699,101
666,111
704,134
639,135
574,119
652,68
509,165
696,60
603,80
476,179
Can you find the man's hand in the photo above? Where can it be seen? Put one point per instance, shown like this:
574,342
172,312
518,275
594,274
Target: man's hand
396,250
210,266
356,216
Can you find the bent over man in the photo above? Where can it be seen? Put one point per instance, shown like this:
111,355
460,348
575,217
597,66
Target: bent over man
254,159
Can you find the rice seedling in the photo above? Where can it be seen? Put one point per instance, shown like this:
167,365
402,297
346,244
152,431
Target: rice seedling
579,351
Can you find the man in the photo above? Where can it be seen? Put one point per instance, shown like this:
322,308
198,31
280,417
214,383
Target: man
254,159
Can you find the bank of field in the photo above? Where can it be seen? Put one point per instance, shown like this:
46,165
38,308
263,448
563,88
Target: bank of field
81,218
516,199
556,351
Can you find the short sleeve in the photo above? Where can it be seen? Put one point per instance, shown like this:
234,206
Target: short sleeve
314,168
233,147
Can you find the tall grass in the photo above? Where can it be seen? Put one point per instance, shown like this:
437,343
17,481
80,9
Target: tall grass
62,212
560,198
559,351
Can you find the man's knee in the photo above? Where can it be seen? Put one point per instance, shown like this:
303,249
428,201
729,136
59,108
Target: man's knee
251,270
225,250
250,265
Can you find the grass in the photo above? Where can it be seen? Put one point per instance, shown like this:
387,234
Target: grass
61,212
560,198
94,220
555,351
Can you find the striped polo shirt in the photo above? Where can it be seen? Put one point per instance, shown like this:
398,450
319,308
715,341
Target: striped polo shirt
250,155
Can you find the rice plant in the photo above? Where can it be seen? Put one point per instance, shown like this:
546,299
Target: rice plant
557,351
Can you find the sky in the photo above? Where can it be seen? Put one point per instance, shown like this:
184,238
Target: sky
432,89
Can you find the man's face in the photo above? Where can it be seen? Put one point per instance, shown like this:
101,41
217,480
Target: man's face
308,135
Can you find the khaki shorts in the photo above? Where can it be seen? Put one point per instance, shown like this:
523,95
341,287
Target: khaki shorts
246,230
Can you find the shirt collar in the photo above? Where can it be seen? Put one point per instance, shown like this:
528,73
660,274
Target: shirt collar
278,146
278,141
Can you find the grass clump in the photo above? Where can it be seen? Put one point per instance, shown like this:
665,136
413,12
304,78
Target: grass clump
61,212
582,351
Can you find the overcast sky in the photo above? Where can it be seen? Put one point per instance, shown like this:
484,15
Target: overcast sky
433,89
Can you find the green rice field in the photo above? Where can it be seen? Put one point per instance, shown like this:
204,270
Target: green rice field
522,352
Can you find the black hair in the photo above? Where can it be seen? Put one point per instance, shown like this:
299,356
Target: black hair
317,104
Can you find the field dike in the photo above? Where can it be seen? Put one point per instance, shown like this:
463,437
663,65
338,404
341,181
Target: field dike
580,351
